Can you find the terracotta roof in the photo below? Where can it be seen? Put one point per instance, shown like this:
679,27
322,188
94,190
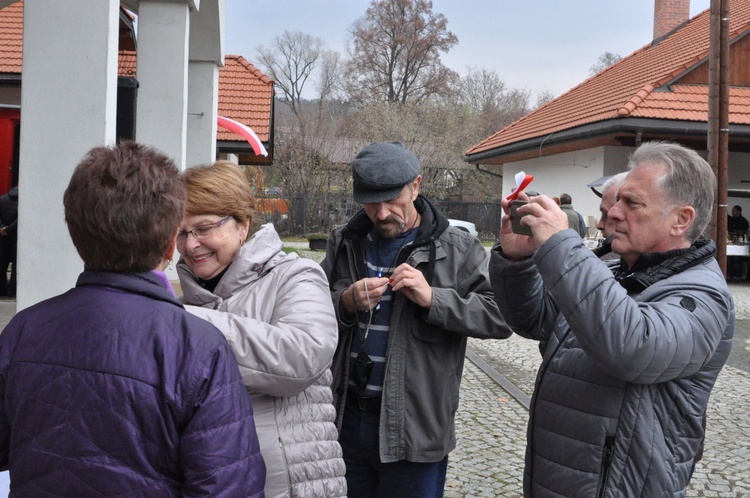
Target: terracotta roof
643,84
126,63
245,93
11,38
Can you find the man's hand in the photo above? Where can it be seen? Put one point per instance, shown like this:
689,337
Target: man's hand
412,283
364,294
545,218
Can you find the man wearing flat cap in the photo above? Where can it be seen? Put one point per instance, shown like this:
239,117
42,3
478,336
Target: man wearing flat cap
408,290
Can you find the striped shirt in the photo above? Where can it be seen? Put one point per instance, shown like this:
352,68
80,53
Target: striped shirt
374,325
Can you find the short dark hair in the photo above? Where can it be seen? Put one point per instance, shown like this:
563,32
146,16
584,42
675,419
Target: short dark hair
123,206
566,199
737,207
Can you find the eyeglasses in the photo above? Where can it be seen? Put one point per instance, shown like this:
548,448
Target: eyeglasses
201,231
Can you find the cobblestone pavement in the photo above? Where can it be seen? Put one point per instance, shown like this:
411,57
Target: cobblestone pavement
491,425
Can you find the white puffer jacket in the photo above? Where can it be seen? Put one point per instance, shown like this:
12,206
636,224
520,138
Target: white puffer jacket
276,312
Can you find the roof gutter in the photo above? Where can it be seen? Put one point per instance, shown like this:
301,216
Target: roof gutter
10,79
629,125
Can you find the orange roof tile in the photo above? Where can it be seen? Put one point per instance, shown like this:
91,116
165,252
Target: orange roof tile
11,38
126,63
636,86
245,93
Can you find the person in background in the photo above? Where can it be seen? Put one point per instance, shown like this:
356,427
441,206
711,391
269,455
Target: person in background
8,241
737,226
575,220
736,222
112,388
609,197
276,313
557,200
635,349
408,289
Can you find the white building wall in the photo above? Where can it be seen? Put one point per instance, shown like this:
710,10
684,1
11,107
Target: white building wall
206,47
563,173
163,31
571,172
68,101
203,102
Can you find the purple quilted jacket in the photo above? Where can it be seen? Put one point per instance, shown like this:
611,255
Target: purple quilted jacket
114,389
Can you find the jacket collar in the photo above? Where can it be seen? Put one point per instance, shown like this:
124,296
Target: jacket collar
433,224
145,283
654,267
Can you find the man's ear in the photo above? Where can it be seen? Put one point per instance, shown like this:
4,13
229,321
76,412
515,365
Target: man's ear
415,187
684,219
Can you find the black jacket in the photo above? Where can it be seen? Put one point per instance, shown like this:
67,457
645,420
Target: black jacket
9,211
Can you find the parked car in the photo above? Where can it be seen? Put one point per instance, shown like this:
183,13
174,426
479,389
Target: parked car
466,226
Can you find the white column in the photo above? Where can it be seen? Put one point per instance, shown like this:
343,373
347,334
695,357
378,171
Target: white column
163,29
206,57
68,105
202,107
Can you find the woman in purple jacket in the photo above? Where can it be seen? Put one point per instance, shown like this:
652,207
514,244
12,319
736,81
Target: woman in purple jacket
113,388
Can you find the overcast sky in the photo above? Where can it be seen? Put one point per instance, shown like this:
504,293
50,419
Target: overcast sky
532,44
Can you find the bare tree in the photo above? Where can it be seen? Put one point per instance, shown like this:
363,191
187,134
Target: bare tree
544,96
329,83
290,61
481,90
435,132
395,52
487,105
603,62
307,167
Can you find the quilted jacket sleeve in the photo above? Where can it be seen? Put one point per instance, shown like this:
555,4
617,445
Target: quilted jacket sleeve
5,355
668,331
287,352
521,296
219,450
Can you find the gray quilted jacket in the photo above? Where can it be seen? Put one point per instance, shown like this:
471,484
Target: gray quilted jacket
630,361
275,311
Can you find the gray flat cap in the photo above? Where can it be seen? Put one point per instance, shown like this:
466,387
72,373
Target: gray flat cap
381,170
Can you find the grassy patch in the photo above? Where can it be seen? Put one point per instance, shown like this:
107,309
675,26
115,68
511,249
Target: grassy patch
293,239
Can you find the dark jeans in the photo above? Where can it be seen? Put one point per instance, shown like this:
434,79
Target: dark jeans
735,266
367,477
7,257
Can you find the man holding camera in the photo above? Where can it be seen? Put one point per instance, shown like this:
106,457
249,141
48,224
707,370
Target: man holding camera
408,290
634,348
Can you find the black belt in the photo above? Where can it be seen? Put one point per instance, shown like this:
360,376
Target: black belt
365,403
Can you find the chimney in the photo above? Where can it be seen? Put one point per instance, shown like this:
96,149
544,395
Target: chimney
668,15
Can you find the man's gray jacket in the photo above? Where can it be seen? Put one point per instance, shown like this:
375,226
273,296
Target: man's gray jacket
630,361
426,348
575,220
